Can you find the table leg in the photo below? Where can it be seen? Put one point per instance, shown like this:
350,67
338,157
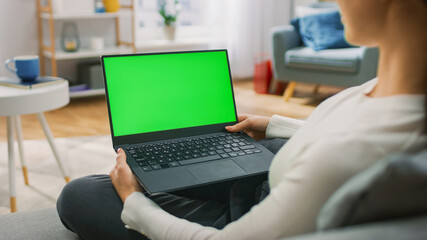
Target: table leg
49,137
18,130
11,153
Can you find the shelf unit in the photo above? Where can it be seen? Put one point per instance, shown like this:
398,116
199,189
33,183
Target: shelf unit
46,16
84,53
52,54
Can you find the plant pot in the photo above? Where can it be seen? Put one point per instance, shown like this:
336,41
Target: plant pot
170,32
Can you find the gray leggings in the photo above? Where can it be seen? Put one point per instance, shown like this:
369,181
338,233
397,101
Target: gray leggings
91,208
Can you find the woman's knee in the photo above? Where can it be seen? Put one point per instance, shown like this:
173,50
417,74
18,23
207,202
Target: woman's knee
274,144
91,208
78,194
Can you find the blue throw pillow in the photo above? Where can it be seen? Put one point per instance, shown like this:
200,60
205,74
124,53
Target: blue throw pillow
321,31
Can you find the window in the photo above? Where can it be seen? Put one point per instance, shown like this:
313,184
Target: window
191,13
193,23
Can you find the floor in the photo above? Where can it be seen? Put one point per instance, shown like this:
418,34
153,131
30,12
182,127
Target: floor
82,133
81,156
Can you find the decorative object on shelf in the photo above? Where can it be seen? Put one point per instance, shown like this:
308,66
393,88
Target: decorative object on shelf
90,73
112,5
170,32
27,68
170,14
70,41
99,6
97,43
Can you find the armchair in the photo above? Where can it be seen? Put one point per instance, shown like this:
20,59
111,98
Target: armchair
293,62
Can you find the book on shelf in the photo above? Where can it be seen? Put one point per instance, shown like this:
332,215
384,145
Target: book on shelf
38,82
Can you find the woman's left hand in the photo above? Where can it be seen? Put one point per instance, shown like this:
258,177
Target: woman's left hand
122,177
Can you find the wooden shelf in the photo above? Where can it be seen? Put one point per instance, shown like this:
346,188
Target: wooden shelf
87,93
86,53
46,16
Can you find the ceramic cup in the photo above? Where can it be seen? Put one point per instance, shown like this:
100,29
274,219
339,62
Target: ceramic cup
26,67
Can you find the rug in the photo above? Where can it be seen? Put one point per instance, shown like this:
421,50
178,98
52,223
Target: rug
81,156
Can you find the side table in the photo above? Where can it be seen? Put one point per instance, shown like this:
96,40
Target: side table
15,102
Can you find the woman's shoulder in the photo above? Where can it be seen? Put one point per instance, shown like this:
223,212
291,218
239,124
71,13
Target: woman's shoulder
358,90
355,102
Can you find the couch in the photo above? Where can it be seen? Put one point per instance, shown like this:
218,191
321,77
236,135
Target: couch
386,201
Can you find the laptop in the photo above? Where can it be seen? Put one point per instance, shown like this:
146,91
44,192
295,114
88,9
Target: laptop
168,112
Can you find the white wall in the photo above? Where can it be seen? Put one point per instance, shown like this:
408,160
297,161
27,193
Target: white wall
18,30
304,2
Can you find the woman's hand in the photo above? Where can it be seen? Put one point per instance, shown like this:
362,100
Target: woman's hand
254,126
122,177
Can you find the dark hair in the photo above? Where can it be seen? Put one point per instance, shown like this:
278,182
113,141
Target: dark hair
425,106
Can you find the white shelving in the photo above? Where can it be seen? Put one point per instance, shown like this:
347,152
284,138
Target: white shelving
46,16
87,53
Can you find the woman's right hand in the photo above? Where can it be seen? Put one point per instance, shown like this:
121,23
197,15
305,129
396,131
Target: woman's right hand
254,126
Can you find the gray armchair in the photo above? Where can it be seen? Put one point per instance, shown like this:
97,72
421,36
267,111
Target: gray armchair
293,62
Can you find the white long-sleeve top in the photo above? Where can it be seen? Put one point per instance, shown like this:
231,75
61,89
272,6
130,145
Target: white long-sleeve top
343,136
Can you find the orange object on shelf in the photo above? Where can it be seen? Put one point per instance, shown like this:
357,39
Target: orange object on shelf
111,5
263,73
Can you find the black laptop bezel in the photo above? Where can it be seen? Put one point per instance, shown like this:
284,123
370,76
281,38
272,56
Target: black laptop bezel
167,134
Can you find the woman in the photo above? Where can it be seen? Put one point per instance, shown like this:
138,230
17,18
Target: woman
343,136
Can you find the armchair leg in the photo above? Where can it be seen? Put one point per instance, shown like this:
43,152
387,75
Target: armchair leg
289,91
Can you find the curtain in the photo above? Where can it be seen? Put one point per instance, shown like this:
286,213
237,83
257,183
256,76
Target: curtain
247,26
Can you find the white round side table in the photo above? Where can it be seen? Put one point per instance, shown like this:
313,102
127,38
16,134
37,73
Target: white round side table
15,102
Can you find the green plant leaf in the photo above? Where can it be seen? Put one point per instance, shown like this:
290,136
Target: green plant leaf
168,19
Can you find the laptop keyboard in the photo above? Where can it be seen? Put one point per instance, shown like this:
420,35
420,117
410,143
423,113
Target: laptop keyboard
189,151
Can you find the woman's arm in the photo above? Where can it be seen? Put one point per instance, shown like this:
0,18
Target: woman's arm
290,209
260,127
282,127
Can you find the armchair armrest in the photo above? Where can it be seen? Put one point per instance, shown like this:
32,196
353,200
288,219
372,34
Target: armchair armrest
369,63
283,38
406,228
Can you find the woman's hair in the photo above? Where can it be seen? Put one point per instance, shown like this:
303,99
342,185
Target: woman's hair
425,94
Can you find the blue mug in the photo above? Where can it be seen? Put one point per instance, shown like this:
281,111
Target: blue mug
26,67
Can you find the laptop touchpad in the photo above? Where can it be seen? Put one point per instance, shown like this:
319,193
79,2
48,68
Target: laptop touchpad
216,170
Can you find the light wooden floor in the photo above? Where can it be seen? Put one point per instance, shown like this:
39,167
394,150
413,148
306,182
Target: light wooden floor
89,116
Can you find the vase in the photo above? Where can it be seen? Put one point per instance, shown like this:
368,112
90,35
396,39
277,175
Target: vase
111,5
70,41
170,32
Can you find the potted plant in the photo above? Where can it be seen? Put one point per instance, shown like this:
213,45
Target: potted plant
169,14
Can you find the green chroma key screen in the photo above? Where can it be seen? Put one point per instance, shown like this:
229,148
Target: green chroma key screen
156,92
